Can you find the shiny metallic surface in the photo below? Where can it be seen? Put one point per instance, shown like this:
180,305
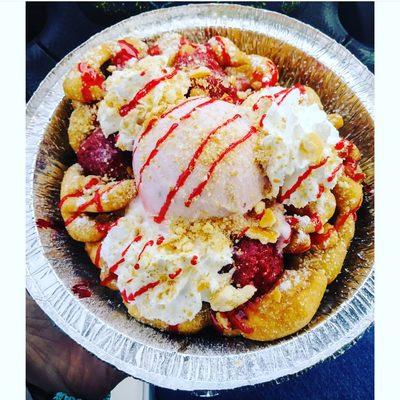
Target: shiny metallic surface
206,361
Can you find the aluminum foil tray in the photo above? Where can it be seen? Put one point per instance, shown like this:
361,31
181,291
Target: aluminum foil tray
207,361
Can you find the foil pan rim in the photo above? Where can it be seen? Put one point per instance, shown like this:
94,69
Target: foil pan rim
42,281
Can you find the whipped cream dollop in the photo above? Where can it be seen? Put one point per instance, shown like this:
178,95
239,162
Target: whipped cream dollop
296,150
167,270
137,92
198,161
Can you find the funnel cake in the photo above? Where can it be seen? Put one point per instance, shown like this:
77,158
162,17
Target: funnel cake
205,193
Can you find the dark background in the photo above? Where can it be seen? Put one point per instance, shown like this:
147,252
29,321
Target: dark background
54,29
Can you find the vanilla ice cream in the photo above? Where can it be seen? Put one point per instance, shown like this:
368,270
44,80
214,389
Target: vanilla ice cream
197,161
296,147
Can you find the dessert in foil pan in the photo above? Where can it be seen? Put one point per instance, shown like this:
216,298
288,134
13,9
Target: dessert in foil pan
211,178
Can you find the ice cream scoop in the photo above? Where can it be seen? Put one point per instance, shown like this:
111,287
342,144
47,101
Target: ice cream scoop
197,161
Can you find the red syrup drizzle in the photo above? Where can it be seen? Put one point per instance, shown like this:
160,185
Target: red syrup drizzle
96,199
94,181
175,274
341,220
319,238
292,220
284,93
189,169
97,256
321,190
274,75
316,221
110,278
200,187
90,78
261,123
82,290
139,292
344,148
127,52
226,58
154,50
144,91
147,244
163,138
300,180
331,177
104,227
114,267
350,167
194,260
153,121
242,233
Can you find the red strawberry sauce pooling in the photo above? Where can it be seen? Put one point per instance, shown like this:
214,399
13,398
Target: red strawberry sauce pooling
82,289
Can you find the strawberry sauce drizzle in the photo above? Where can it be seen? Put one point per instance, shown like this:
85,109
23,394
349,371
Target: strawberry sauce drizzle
321,190
341,220
175,274
242,233
200,187
194,260
96,199
333,174
163,138
153,121
147,244
261,123
139,292
292,221
90,78
284,93
92,182
316,221
97,256
110,278
144,91
300,180
127,52
189,169
273,80
319,238
114,267
154,50
226,58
